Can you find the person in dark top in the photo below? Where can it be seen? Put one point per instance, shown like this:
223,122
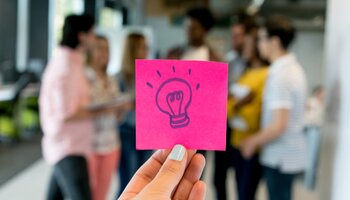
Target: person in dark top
199,22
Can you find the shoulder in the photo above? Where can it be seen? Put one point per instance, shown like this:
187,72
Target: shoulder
261,71
213,56
255,76
176,52
282,73
261,75
62,62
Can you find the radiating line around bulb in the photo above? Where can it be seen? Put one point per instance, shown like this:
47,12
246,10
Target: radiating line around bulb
159,74
149,85
198,85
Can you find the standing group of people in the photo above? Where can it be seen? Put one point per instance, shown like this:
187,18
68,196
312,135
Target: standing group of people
88,117
87,137
266,104
267,93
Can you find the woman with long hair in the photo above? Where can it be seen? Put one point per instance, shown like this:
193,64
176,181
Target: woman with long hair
131,159
106,144
244,109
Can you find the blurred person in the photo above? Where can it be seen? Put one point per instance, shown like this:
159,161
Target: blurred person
199,22
66,124
169,175
281,136
313,121
314,108
106,143
131,159
237,65
235,60
234,57
65,111
244,110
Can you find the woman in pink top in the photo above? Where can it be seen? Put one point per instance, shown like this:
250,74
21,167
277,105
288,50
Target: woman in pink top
66,124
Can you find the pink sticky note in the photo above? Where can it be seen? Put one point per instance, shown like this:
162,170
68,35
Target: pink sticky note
181,102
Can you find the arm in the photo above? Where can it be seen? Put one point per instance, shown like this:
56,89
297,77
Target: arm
122,103
79,115
275,129
84,113
270,133
279,103
244,101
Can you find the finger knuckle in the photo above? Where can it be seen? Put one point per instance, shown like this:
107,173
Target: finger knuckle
171,169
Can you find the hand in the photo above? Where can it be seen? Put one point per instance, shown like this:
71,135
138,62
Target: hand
168,176
249,147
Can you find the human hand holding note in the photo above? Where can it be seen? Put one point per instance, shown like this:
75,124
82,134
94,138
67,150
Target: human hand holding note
168,175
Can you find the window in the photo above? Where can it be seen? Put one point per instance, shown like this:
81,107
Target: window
59,9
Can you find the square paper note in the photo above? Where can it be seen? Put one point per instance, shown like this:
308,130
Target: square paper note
181,102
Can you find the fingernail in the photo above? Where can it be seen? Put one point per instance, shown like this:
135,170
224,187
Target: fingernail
177,153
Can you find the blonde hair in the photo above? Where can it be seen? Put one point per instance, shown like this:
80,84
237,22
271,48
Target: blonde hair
132,44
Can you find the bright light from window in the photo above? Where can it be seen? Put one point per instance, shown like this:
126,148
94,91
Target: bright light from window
59,9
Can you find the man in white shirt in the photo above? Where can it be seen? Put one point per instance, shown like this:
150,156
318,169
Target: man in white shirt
281,139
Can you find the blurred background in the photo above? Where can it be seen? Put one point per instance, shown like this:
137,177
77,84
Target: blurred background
30,30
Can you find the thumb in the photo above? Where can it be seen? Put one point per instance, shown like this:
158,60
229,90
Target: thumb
171,172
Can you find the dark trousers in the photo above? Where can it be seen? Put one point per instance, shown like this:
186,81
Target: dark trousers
279,185
70,179
222,164
248,174
131,159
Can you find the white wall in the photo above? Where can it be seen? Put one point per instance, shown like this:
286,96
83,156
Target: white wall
336,138
309,48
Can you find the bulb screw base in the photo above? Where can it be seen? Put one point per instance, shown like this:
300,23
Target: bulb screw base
179,121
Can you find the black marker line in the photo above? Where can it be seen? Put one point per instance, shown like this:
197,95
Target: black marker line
149,85
197,87
159,74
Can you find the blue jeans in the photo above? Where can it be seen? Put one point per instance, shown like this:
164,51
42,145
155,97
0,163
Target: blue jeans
131,159
248,174
279,185
313,138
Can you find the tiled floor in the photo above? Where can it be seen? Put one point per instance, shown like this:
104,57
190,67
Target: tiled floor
32,182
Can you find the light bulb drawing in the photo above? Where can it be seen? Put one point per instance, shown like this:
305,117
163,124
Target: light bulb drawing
173,98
